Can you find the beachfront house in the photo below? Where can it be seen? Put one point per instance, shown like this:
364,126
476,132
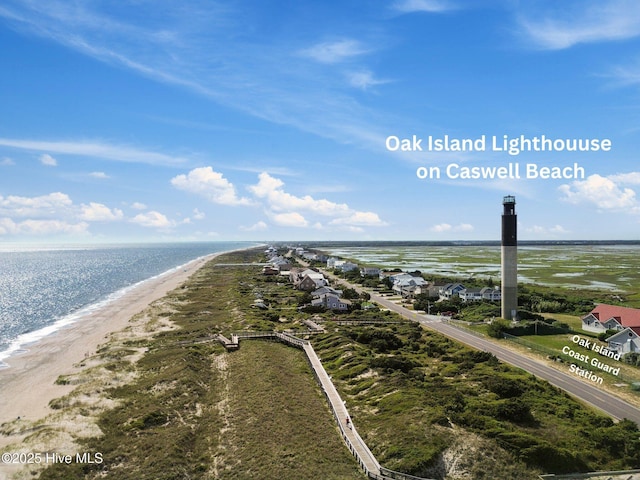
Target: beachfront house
326,289
331,302
611,317
308,280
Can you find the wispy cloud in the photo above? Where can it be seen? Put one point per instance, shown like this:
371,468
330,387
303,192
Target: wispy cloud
48,160
448,228
572,23
335,52
256,227
99,175
103,151
364,79
258,78
430,6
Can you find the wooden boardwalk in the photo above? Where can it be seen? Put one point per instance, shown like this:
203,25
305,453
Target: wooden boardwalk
349,433
354,442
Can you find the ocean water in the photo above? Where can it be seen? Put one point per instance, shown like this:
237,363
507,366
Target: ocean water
44,289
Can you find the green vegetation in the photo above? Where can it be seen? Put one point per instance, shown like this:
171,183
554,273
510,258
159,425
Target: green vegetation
423,403
196,411
612,272
421,390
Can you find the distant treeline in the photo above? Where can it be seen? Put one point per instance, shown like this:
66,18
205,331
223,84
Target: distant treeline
421,243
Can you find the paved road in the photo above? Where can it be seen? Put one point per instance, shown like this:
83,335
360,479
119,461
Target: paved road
572,384
591,394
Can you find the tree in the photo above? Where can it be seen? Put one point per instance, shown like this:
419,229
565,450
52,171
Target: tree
350,294
498,327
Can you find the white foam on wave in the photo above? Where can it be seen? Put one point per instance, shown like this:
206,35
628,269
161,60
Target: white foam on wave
19,344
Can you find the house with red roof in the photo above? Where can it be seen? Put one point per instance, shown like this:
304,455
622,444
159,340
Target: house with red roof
611,317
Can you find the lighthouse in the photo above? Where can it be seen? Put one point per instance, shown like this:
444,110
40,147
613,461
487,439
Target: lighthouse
509,253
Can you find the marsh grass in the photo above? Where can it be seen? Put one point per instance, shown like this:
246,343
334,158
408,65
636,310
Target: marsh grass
595,267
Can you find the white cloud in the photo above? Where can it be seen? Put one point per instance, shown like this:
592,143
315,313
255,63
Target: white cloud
584,22
540,230
198,215
360,218
212,185
433,6
256,227
97,212
464,227
172,48
270,188
41,227
335,52
603,192
631,178
100,175
446,227
44,205
364,79
138,206
280,202
291,219
152,219
94,149
48,160
6,162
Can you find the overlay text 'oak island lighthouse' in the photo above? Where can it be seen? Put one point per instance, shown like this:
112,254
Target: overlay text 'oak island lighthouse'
509,275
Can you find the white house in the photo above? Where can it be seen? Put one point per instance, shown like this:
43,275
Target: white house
331,263
407,285
477,294
370,272
347,266
611,317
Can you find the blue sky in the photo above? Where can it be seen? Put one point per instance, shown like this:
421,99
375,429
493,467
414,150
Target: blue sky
140,120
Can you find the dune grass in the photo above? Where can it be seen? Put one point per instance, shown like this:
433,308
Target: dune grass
196,411
425,405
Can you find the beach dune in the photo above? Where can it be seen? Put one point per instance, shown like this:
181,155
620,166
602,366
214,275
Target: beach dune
28,384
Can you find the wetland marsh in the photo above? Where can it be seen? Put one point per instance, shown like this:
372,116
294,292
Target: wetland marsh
614,267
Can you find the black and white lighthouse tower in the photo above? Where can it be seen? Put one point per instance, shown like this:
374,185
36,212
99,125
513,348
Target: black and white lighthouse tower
509,275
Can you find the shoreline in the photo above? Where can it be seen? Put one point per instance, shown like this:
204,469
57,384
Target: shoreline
23,343
36,370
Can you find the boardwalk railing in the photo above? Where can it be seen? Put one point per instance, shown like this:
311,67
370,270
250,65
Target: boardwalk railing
626,474
351,437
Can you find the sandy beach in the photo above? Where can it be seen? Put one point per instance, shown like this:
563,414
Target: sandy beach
28,385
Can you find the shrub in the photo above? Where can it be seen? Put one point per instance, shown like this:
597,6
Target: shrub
498,327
